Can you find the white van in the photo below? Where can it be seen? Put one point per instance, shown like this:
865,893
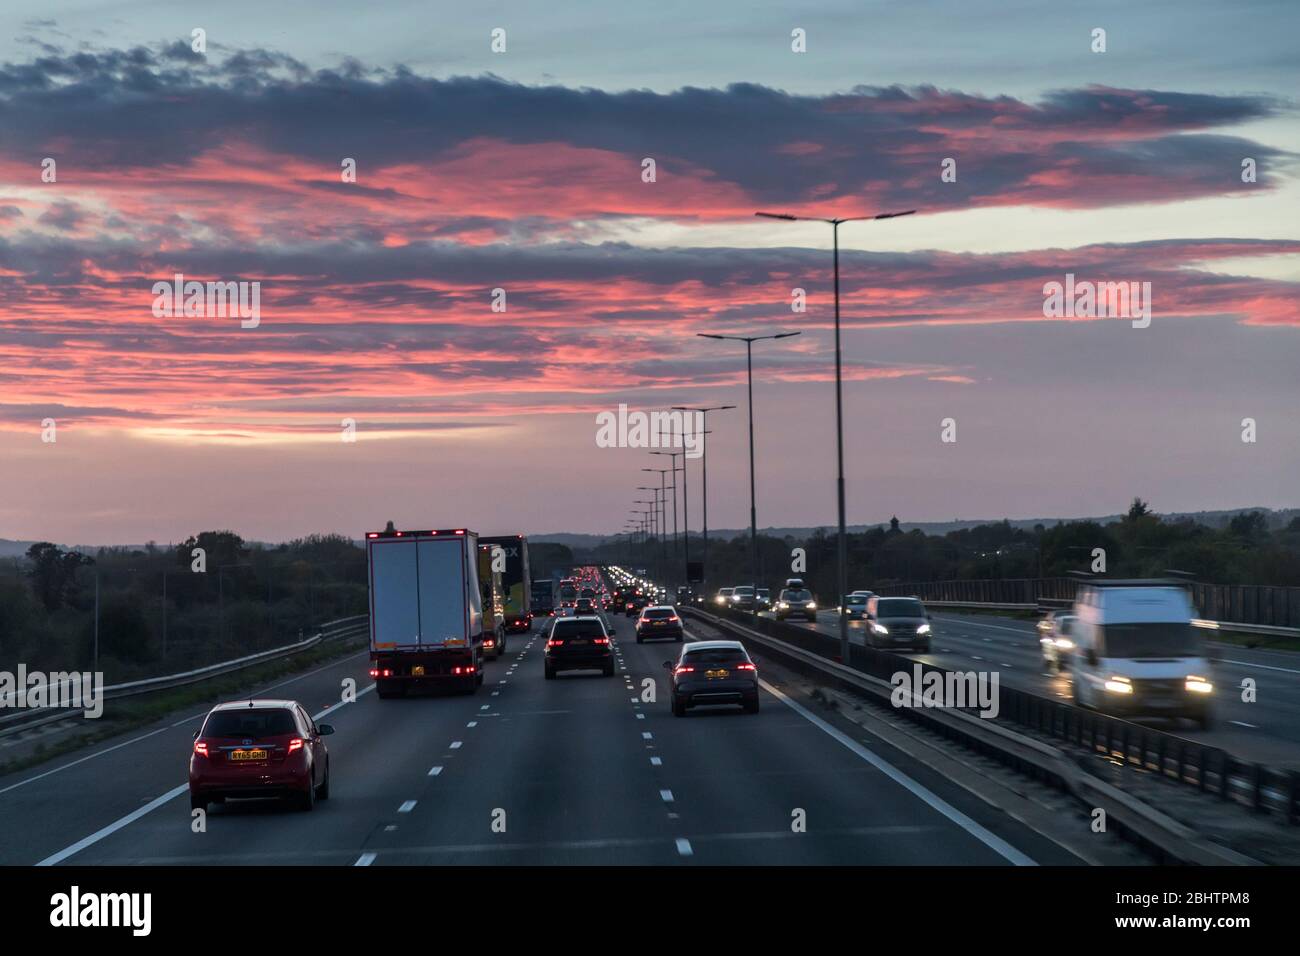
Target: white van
1137,652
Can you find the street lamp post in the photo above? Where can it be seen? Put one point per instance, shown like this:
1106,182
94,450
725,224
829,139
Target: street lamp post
663,527
839,406
674,455
704,465
749,341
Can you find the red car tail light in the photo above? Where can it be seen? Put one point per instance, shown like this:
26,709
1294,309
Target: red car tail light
684,669
489,643
201,748
295,744
601,640
554,643
746,667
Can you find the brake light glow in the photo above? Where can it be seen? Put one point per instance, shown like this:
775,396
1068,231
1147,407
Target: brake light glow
201,748
684,669
295,744
554,643
746,667
601,640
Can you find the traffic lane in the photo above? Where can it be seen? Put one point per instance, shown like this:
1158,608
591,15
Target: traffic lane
560,775
371,771
45,809
742,783
1266,729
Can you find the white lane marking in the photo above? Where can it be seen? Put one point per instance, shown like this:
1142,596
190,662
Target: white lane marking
632,699
434,771
1242,723
666,796
329,710
496,693
1225,660
997,627
656,761
406,807
990,840
149,807
113,827
684,847
640,716
455,745
183,720
485,707
365,859
974,658
646,735
472,723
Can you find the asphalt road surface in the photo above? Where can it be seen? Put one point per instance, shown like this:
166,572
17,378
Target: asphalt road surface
527,771
1266,730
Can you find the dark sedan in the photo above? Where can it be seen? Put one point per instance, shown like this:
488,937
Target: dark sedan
713,672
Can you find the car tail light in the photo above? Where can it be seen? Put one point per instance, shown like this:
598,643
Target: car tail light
684,669
746,667
374,672
601,640
295,744
554,643
201,748
489,643
674,620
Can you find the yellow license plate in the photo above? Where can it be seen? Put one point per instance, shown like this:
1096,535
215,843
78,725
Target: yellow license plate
417,671
240,755
717,673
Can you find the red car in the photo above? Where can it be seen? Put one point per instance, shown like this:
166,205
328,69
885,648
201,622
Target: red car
260,748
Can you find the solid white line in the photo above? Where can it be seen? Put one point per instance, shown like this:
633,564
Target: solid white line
997,627
184,720
434,771
991,840
1225,660
406,807
149,807
1242,723
365,859
113,827
684,847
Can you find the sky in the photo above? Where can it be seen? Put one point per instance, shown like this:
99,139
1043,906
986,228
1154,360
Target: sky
523,169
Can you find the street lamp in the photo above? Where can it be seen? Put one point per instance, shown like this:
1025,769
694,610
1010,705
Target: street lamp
704,463
663,526
749,341
674,455
839,404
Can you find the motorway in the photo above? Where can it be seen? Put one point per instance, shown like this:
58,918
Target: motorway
576,770
1266,730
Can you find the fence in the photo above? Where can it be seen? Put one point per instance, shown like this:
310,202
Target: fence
1209,769
1254,604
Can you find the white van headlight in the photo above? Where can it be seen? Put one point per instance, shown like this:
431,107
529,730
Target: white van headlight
1199,685
1119,685
923,629
879,629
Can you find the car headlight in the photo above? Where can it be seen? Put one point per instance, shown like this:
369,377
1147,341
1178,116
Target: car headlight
1199,685
811,605
923,629
1119,685
879,629
782,605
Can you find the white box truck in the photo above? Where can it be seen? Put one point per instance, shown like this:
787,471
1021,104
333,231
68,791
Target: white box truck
426,609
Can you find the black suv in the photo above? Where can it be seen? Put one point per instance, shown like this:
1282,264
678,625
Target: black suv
713,672
578,643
